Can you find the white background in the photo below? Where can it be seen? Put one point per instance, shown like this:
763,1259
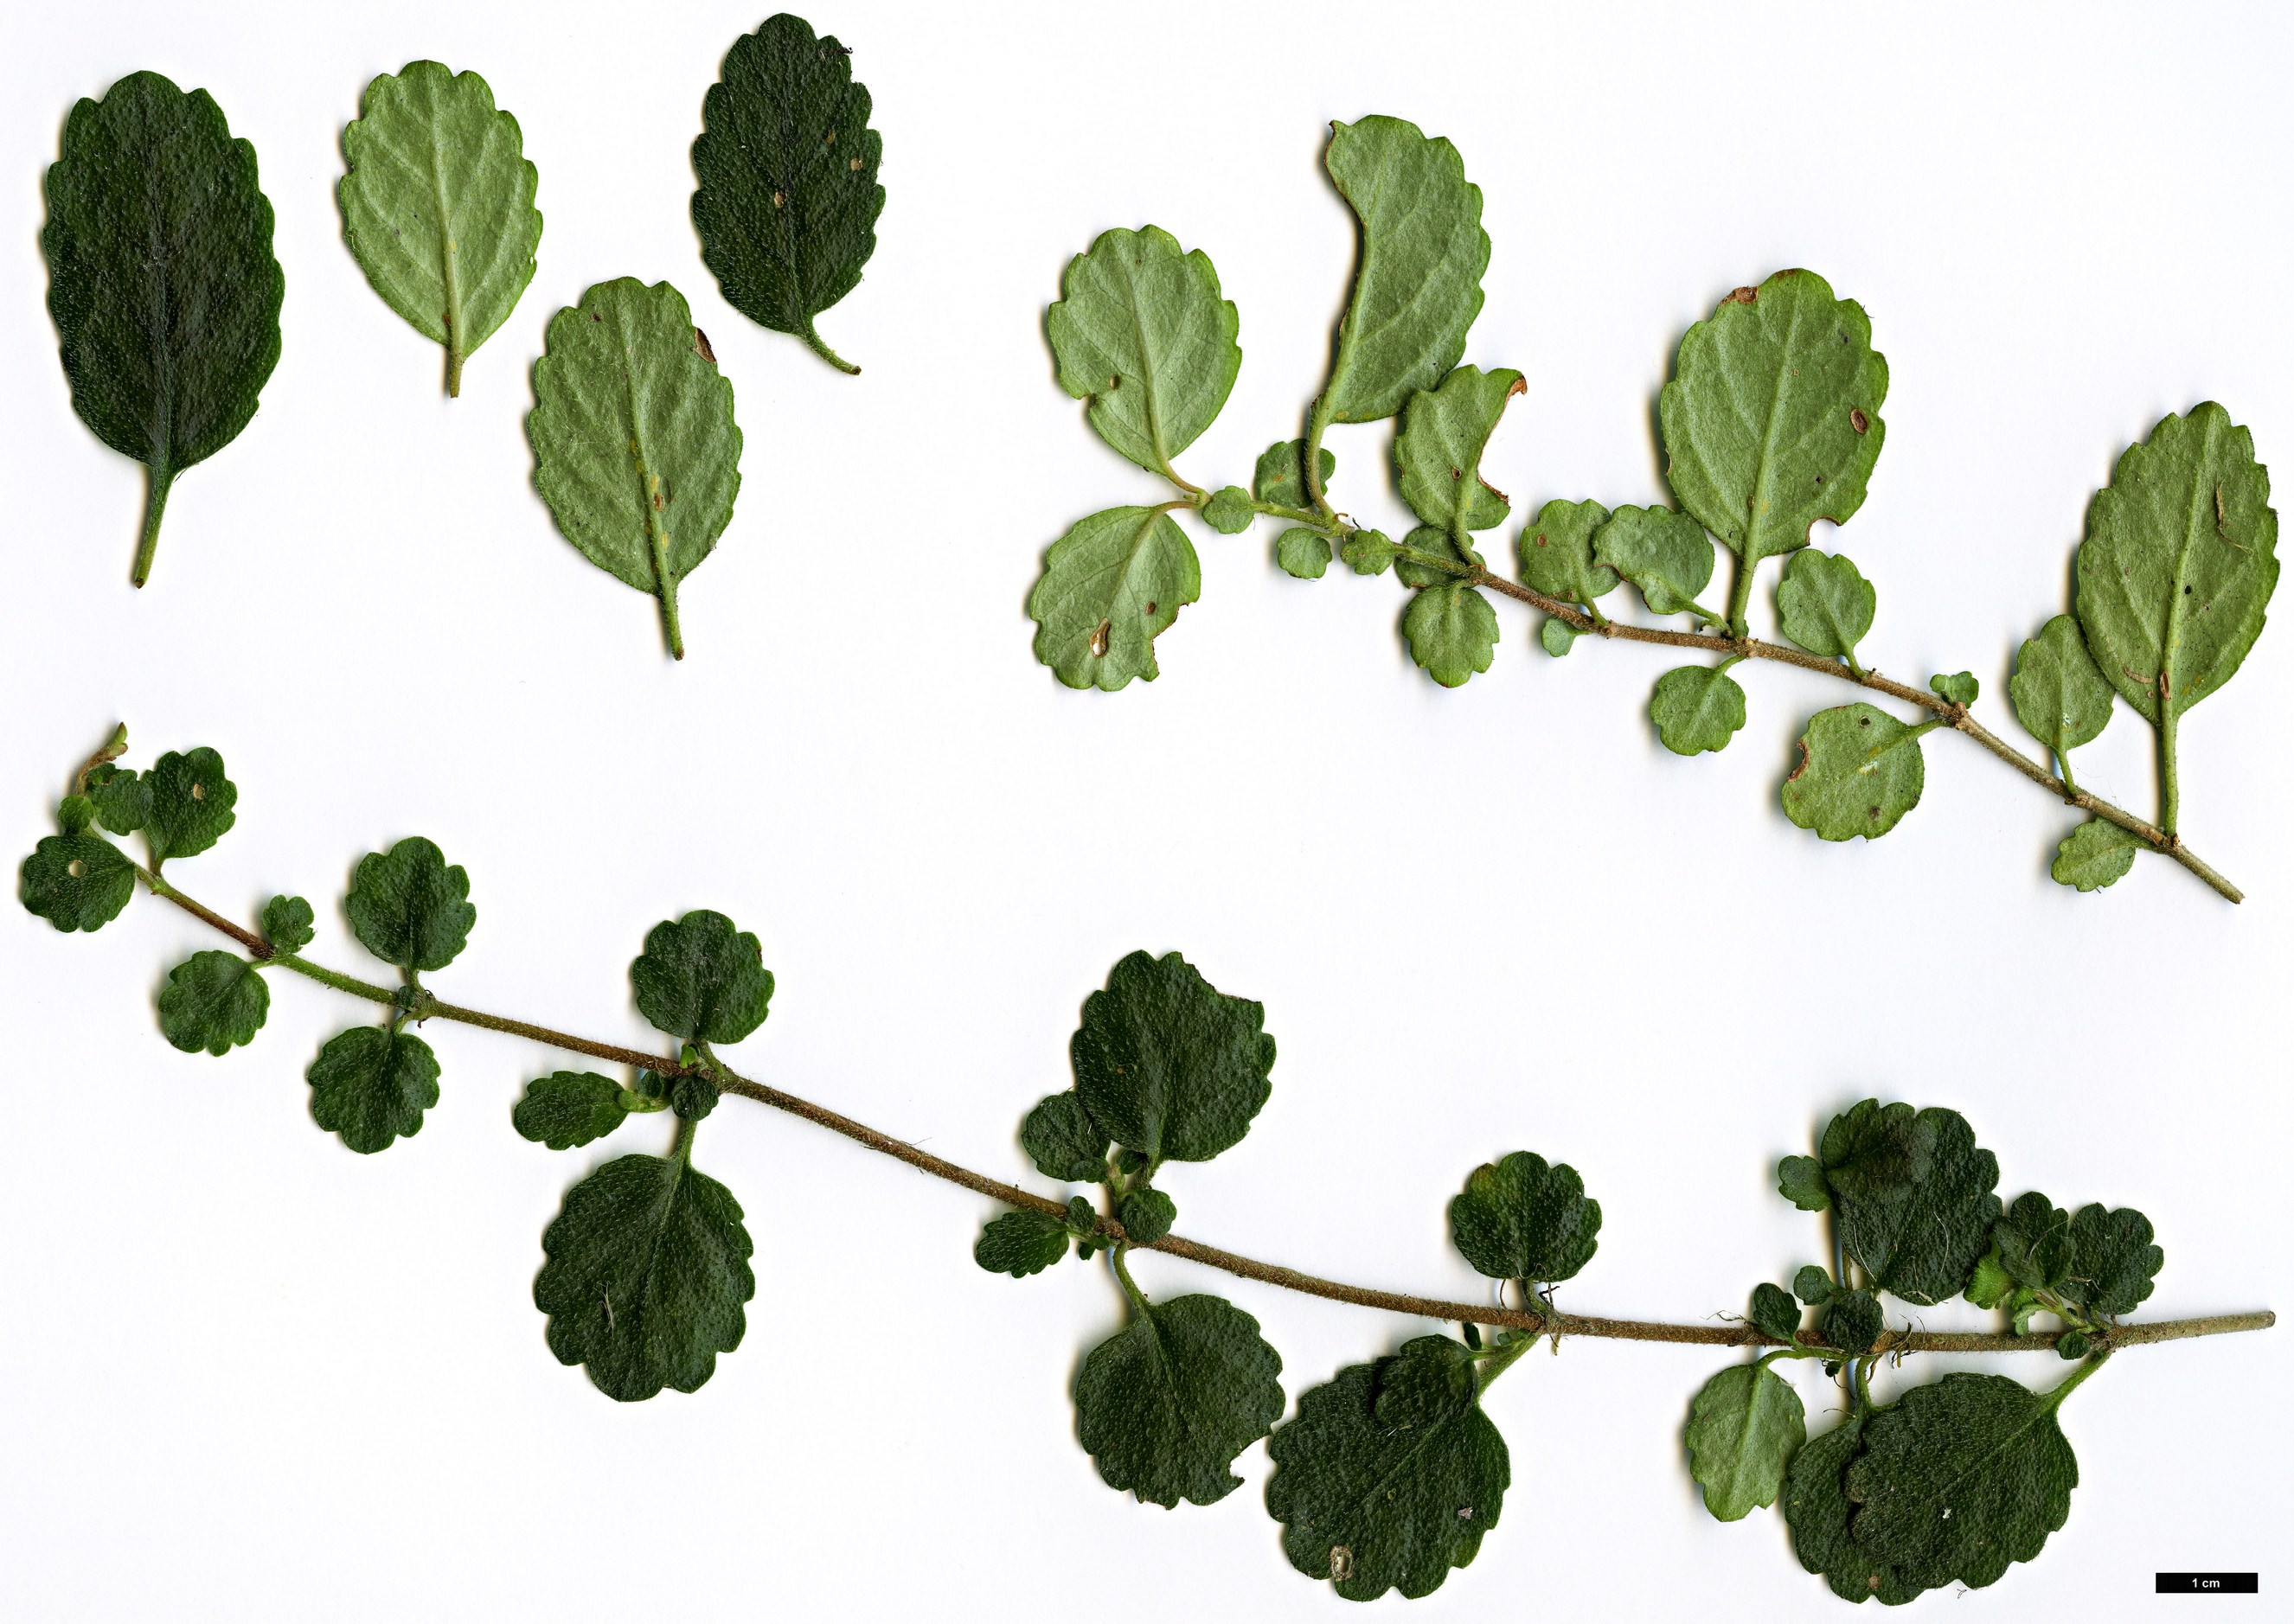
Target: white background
250,1375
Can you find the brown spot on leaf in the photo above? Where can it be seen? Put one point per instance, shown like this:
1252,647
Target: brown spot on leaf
1742,295
199,791
1541,540
855,163
701,346
779,198
829,140
1099,639
1802,767
1873,813
1520,386
1342,1563
1857,420
1115,380
1151,606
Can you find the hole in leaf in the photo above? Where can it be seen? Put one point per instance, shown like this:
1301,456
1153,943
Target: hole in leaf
1099,639
1342,1563
76,869
199,791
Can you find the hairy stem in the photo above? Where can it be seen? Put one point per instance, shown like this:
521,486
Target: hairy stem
1550,1321
821,349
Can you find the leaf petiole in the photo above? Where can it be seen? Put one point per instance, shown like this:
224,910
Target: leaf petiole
812,338
159,479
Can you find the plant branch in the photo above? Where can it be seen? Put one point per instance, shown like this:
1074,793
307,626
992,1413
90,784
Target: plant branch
1551,1322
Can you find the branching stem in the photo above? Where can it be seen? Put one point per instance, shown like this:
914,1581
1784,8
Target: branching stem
1548,1321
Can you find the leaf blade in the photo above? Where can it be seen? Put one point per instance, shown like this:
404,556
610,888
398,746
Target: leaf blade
1860,771
1112,585
1165,1405
1744,1426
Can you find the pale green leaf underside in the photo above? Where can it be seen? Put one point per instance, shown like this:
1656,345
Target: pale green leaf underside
636,449
2060,697
1743,1428
2094,854
1438,453
2179,562
1860,770
438,204
1418,286
1664,554
1110,586
1140,332
1451,631
1824,603
1696,707
1772,419
1555,549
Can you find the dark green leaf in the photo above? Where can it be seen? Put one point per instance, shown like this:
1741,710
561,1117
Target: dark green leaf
1451,631
408,908
788,200
568,1108
647,1270
77,881
1816,1505
287,923
1772,419
122,798
1062,1141
635,447
693,1096
1666,554
1229,511
438,205
372,1086
1389,1473
1800,1180
1555,549
1110,586
1958,1479
2179,562
2059,695
1696,707
1279,480
1775,1314
1824,603
1418,286
1141,331
2114,1263
192,804
1851,1321
1860,770
1169,1065
1303,553
1960,688
2094,854
1166,1403
2033,1242
1437,456
1743,1428
1557,636
2073,1345
1913,1195
1368,552
1813,1285
701,980
1021,1243
1521,1220
167,347
1147,1216
212,1001
74,814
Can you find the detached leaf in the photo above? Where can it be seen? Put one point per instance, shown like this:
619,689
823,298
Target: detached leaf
1913,1195
2179,562
569,1108
1142,333
1519,1219
1696,707
1451,631
1389,1473
1303,553
788,200
287,923
1280,479
2059,695
1816,1504
635,447
1438,454
1166,1064
1743,1428
647,1272
1774,1313
701,980
2114,1264
1825,604
190,805
1166,1404
1555,549
1063,1141
1021,1243
77,881
166,348
1110,586
213,1001
1772,419
1860,770
408,908
438,205
1418,286
1984,1450
372,1086
1664,554
2094,854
